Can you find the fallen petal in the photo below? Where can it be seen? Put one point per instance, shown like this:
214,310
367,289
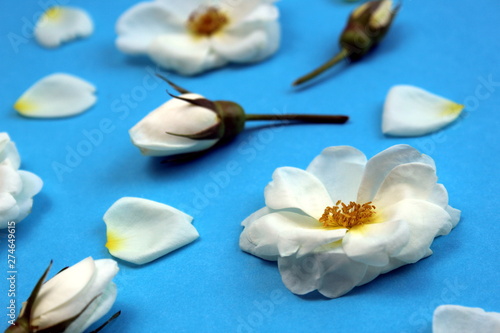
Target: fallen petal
411,111
140,230
56,95
461,319
61,24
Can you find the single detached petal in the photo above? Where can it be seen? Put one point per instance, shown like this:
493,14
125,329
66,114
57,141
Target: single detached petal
8,151
380,165
461,319
140,230
61,24
340,169
54,302
296,188
139,26
151,136
285,234
411,111
185,54
56,95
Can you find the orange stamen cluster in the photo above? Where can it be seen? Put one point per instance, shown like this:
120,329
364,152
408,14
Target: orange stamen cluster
207,22
347,216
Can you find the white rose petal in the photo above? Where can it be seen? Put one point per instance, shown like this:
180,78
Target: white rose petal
140,230
325,240
8,151
461,319
56,95
167,31
151,136
411,111
61,24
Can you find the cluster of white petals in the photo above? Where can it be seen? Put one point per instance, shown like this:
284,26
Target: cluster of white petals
17,187
193,36
461,319
151,136
412,111
141,230
62,24
56,95
411,209
86,286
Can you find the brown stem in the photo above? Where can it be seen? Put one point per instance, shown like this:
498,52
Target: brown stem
341,55
305,118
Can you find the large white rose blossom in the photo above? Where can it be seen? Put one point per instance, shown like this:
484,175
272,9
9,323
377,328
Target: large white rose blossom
345,220
17,187
193,36
72,300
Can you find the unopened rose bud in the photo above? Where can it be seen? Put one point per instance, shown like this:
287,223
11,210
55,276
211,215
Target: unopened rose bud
367,26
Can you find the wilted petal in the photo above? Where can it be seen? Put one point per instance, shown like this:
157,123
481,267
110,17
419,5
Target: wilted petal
285,234
379,166
296,188
140,230
8,151
184,53
61,24
461,319
54,302
411,111
151,136
340,169
139,26
56,95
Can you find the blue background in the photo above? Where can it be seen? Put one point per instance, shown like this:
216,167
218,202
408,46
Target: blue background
449,48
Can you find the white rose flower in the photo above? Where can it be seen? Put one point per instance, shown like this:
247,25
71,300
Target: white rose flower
345,220
461,319
17,187
193,36
72,300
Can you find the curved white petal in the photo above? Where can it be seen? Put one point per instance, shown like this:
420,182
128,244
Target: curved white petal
9,210
286,233
54,302
8,151
140,230
61,24
332,273
411,111
296,188
379,166
407,181
10,180
32,185
182,8
101,292
175,116
425,221
461,319
183,53
249,11
243,45
139,26
455,215
373,244
340,169
56,95
95,311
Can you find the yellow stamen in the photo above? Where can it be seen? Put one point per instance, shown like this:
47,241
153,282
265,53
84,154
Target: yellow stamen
206,22
114,242
347,216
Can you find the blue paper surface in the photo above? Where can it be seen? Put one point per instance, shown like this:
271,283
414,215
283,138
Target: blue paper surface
449,48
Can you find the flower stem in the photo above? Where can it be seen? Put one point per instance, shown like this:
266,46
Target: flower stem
340,56
305,118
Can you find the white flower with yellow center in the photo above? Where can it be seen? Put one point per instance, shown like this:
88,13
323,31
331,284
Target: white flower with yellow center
193,36
345,220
